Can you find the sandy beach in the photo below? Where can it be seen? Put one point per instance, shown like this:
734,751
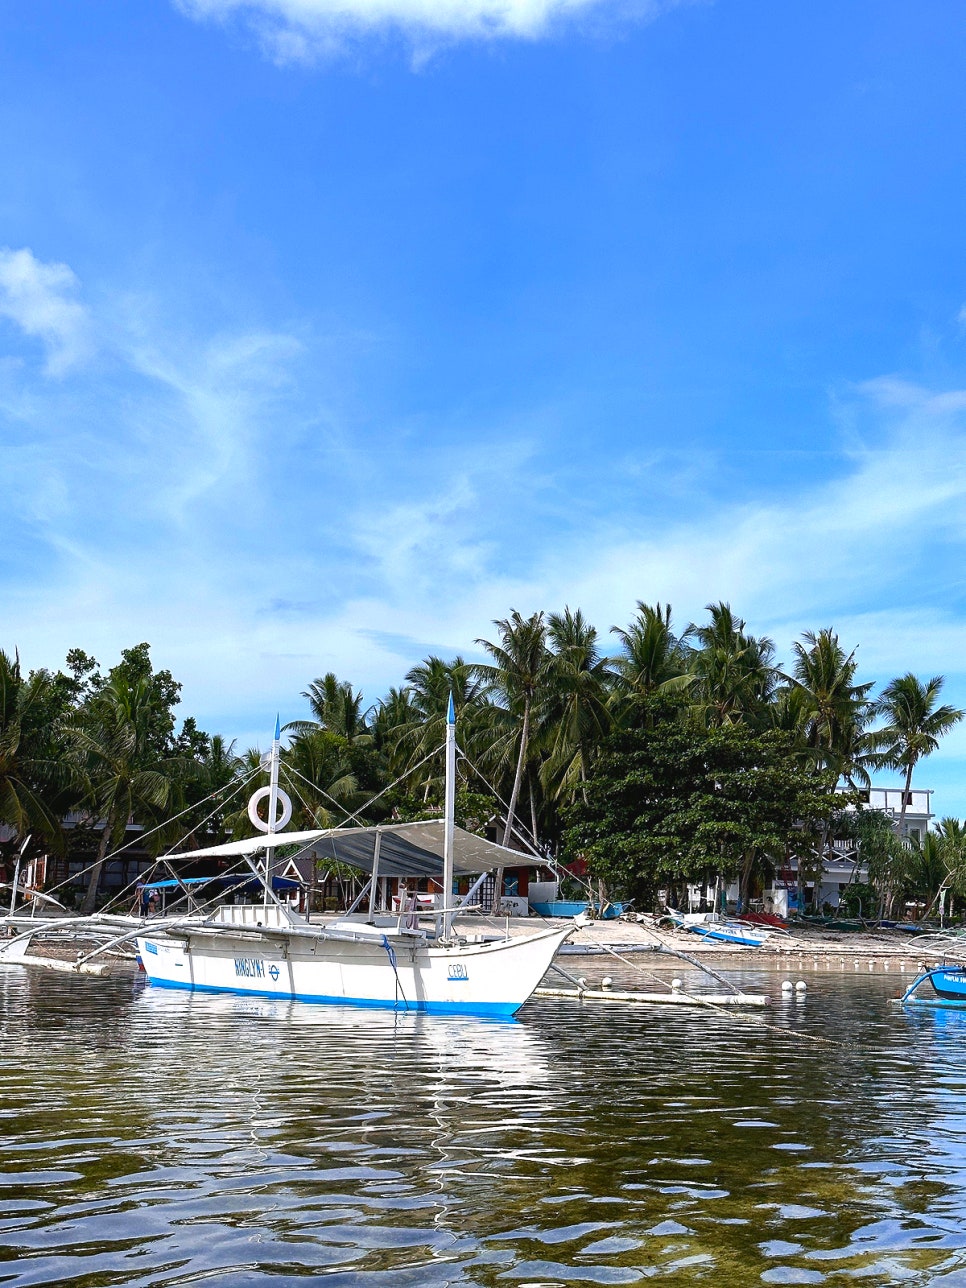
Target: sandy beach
797,950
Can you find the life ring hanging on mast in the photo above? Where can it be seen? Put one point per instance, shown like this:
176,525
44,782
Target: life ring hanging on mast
282,820
274,794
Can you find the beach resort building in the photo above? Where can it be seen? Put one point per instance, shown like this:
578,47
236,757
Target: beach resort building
829,875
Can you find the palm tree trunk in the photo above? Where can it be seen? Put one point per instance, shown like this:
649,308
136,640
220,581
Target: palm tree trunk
90,895
518,777
744,887
905,797
514,797
891,894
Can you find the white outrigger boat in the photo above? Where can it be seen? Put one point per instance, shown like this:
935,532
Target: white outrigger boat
409,961
412,959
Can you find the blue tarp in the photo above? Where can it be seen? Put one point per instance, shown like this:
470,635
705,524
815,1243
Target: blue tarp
236,879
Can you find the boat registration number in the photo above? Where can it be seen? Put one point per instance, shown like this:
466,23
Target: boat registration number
250,967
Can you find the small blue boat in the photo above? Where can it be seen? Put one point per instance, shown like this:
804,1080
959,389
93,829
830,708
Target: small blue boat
610,911
559,908
948,985
726,932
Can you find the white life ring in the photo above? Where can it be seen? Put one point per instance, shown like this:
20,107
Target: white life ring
264,793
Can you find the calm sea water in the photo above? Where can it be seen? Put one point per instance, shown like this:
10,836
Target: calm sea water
153,1138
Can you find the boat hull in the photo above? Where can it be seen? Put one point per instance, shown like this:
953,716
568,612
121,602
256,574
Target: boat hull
559,908
368,969
724,932
725,935
949,983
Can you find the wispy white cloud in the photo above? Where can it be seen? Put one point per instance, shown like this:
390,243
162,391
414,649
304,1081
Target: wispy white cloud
195,504
301,30
890,525
40,298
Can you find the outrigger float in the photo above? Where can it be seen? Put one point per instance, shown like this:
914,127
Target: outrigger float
415,960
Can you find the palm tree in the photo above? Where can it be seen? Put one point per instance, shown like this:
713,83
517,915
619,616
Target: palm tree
27,764
914,725
204,779
391,712
575,714
421,729
928,869
653,661
336,706
317,770
835,708
734,672
951,836
521,666
113,743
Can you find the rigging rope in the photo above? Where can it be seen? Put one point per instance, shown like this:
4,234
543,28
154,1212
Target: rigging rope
72,878
390,952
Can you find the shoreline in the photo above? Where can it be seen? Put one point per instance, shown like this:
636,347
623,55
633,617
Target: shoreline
799,948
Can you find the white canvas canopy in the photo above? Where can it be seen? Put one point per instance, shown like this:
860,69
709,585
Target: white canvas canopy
405,849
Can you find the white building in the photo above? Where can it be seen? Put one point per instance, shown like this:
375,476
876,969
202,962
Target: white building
843,864
918,808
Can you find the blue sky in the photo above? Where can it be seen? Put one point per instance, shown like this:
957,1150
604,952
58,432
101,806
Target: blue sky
331,330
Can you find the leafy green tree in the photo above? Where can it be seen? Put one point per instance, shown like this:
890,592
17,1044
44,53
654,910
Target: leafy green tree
29,769
120,747
858,900
678,802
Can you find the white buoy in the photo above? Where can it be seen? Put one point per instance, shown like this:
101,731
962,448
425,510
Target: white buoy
606,982
787,986
581,983
676,984
801,986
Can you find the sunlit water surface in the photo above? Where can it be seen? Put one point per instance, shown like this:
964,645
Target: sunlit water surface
156,1138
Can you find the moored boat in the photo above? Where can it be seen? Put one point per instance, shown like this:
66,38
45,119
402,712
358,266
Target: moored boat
410,960
948,983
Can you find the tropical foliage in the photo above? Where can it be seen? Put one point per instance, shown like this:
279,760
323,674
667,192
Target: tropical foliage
669,755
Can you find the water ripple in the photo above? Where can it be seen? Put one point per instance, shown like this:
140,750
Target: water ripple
151,1138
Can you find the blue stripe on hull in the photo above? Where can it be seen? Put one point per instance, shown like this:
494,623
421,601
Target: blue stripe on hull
501,1010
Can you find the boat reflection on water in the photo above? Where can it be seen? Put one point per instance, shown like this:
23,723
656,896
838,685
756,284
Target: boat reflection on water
156,1138
503,1051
